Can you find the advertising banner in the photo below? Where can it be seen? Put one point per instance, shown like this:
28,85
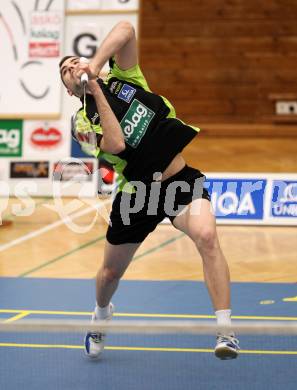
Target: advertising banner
46,139
4,170
237,199
31,36
253,198
267,199
45,34
11,138
29,169
103,4
283,203
121,4
73,171
75,177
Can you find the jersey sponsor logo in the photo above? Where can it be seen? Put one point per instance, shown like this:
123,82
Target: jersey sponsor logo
136,122
115,86
119,86
94,118
284,199
126,93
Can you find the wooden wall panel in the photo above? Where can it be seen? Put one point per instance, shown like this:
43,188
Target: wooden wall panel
219,61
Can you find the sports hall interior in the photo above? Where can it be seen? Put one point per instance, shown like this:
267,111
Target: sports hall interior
224,65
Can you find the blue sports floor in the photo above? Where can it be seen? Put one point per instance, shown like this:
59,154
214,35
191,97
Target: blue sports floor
56,361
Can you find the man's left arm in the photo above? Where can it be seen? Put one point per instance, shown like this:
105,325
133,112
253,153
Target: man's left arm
112,140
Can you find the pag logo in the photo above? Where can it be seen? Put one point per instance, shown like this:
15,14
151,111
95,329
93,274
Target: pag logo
237,198
43,138
136,122
284,199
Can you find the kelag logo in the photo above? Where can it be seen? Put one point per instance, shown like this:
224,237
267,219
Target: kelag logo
284,199
136,122
237,198
11,138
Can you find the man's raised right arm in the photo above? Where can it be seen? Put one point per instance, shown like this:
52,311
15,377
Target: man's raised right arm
119,43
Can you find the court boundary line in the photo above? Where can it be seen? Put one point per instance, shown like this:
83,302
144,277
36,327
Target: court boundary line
92,242
144,315
58,258
17,317
143,349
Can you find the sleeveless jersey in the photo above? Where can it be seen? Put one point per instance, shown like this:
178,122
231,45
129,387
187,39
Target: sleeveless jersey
153,136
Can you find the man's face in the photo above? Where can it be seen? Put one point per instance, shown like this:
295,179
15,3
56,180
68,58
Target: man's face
69,76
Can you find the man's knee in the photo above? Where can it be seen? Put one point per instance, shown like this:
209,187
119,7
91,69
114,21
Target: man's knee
111,274
205,237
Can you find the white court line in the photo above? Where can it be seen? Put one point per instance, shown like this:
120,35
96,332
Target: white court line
52,226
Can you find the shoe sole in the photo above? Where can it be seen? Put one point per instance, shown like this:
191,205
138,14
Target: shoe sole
93,357
225,353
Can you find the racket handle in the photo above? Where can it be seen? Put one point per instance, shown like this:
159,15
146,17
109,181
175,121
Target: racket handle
84,78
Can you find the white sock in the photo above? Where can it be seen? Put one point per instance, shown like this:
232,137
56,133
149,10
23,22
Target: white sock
223,317
102,313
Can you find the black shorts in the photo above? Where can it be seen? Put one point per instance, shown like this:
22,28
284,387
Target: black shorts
134,216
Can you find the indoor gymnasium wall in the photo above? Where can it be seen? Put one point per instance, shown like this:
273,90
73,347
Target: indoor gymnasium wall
223,63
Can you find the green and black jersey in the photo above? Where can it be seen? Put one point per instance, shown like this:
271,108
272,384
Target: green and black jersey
153,135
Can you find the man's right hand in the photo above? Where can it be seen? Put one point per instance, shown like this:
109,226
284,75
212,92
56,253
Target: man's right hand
87,68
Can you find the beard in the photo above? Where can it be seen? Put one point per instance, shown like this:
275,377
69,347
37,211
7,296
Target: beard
78,90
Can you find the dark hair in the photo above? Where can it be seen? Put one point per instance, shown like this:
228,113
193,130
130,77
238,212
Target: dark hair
64,59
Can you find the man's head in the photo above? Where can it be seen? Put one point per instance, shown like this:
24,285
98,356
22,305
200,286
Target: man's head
68,72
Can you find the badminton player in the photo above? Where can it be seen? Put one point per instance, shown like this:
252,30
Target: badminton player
138,133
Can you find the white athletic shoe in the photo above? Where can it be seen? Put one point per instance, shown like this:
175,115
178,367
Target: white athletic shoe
227,347
95,341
